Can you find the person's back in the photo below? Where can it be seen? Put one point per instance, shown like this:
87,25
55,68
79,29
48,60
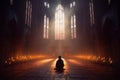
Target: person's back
59,64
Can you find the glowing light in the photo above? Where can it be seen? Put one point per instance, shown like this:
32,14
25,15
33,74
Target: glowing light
9,62
6,62
110,61
20,58
93,13
45,61
74,61
90,14
98,59
92,21
30,17
65,65
28,13
74,3
45,4
70,5
109,1
48,5
11,2
46,27
59,23
73,26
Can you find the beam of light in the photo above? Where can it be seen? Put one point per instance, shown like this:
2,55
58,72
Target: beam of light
45,61
45,4
44,35
59,23
11,2
72,27
48,5
73,3
28,13
74,61
91,6
70,5
42,62
47,32
46,27
92,12
109,1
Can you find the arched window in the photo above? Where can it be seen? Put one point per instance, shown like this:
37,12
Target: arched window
59,23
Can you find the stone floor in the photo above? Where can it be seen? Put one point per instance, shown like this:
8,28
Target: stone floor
44,70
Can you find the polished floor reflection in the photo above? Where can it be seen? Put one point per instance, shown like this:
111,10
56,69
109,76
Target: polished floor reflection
44,70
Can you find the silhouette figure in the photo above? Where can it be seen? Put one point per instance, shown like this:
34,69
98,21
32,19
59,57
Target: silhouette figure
59,64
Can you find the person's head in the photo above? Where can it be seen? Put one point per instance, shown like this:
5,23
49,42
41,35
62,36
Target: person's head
59,57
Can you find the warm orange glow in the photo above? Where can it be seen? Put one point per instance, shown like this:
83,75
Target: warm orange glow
73,61
110,60
44,61
65,64
95,58
19,58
